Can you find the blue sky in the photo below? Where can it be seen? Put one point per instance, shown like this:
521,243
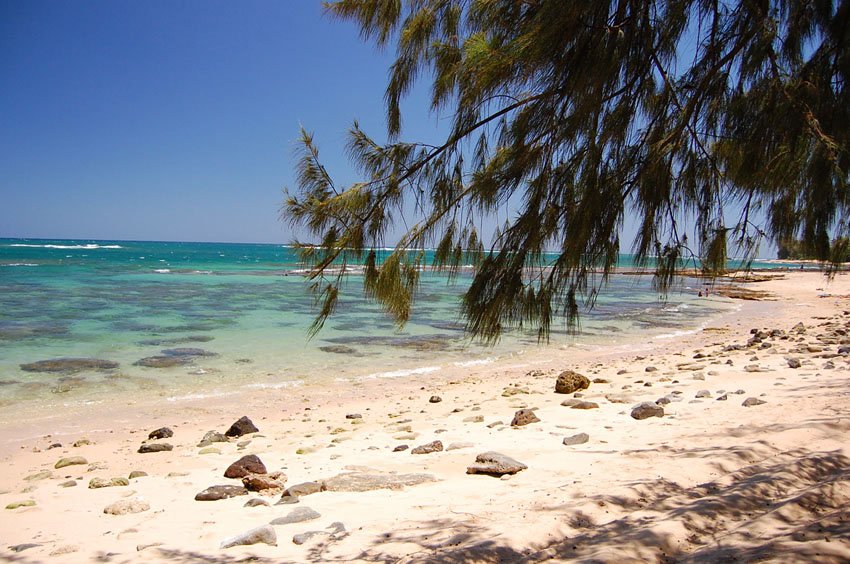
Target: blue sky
171,120
178,120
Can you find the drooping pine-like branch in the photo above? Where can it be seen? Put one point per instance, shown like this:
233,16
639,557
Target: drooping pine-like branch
696,118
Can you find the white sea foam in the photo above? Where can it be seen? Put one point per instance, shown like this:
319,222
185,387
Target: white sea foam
274,386
162,270
193,397
19,264
676,334
402,373
480,362
90,246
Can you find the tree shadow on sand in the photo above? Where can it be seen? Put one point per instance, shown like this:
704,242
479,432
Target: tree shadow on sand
789,507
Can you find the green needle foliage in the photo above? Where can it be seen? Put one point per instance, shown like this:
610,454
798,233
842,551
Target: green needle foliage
694,117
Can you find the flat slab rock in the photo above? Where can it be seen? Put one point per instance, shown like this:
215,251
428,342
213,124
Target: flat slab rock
214,493
304,488
750,402
577,439
155,447
334,531
364,482
495,464
265,534
298,515
96,483
126,506
434,446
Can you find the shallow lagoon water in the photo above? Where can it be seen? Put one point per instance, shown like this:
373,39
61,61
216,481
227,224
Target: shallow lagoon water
247,309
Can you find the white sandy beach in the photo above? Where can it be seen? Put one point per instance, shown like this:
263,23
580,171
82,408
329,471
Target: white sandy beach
712,480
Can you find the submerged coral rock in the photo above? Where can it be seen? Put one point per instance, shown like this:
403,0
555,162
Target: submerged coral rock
187,351
163,361
69,365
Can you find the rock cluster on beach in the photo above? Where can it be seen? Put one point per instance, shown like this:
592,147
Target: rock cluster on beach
432,472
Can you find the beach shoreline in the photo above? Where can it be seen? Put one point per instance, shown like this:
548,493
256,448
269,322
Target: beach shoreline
627,493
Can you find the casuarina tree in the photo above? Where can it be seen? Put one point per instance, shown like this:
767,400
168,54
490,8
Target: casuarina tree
709,124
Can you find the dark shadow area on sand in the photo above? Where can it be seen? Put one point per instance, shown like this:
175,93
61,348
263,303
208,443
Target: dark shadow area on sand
789,507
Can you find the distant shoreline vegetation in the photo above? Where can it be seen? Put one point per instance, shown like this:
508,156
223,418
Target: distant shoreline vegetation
839,251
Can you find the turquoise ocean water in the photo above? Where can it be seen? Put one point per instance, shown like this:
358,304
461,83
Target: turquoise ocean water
242,311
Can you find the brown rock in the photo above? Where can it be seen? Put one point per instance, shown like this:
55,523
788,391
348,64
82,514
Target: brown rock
524,417
161,433
260,482
434,446
248,464
155,447
570,381
242,426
